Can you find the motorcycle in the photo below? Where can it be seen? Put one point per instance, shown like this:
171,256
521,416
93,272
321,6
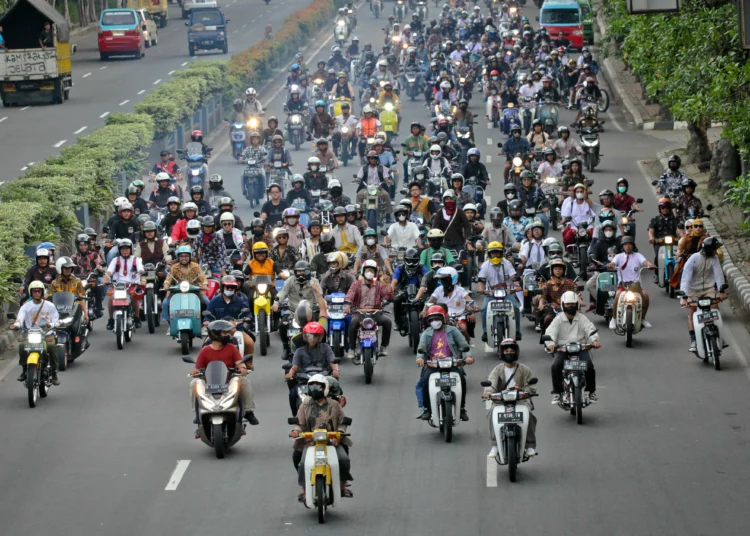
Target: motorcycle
574,396
548,113
123,315
666,263
510,117
321,465
295,126
389,119
367,343
590,145
628,222
527,114
606,288
337,323
531,288
340,32
346,144
445,390
579,251
422,11
411,310
277,174
72,333
517,166
510,422
551,187
399,10
38,372
262,301
493,107
238,135
500,319
197,169
476,192
253,183
708,324
217,405
301,206
154,294
185,315
629,314
463,136
377,8
412,90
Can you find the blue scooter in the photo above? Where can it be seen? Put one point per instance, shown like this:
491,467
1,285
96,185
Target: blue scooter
238,136
185,314
509,118
338,323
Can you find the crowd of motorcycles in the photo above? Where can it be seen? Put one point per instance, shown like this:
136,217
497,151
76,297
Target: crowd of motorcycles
417,60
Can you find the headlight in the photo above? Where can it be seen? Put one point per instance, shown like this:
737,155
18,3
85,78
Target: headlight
340,23
320,437
295,119
65,321
368,323
120,294
513,9
338,299
462,80
629,295
389,107
262,288
706,302
582,232
625,220
195,172
318,81
253,122
34,338
517,162
577,32
550,180
445,363
499,293
344,130
667,239
396,38
184,286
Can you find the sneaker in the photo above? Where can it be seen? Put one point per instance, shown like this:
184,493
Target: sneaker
419,415
349,354
646,324
251,418
357,359
693,347
427,415
493,451
195,420
555,399
612,324
464,415
530,452
138,323
54,379
22,377
110,324
484,337
538,328
593,398
518,336
383,351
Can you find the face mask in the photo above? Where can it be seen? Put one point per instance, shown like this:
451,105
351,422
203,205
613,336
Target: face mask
301,279
316,392
450,205
228,292
516,134
226,339
436,243
509,358
402,218
434,156
370,241
369,276
436,324
292,221
495,78
609,234
622,189
496,260
570,309
579,195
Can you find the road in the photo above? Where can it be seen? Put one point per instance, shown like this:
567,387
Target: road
664,452
31,134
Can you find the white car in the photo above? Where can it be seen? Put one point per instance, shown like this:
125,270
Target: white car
148,27
189,5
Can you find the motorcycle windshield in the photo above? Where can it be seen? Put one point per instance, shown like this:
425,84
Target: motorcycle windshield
194,148
216,376
64,302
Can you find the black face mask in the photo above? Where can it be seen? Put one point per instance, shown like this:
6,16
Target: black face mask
225,339
509,358
435,243
316,392
570,309
709,253
257,233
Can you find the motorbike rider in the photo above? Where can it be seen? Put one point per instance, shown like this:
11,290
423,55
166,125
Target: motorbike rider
416,142
294,103
554,288
403,234
321,123
118,272
665,224
628,264
252,106
436,163
163,191
294,75
226,205
322,72
313,178
515,221
670,182
409,273
600,253
455,298
374,173
125,226
87,260
510,193
516,144
474,168
369,127
38,312
531,195
297,232
167,165
280,153
271,130
197,196
566,147
43,270
687,205
229,302
325,155
367,295
337,60
497,231
421,205
372,251
336,195
316,248
338,278
216,187
569,327
283,256
209,247
349,122
496,273
455,232
576,211
67,282
589,93
537,137
342,88
272,209
151,250
457,185
139,204
232,235
550,167
173,215
299,191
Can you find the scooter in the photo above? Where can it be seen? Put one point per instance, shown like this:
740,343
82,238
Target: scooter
708,324
123,315
579,251
590,145
154,294
389,119
510,422
666,263
238,135
628,222
367,343
548,113
531,288
337,323
463,136
628,314
510,117
218,406
445,391
574,396
500,319
262,301
399,10
340,32
527,114
295,125
412,91
185,315
253,187
550,187
411,310
72,333
606,288
321,465
492,108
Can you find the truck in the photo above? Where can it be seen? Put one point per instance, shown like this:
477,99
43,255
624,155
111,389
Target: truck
30,73
157,8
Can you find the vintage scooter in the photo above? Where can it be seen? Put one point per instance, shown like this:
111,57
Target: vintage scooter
574,396
123,314
666,263
185,314
500,318
708,324
629,314
445,391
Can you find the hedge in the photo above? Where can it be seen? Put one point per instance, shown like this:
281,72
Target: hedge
41,205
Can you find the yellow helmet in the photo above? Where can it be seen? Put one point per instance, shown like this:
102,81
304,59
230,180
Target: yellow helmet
495,246
339,257
260,247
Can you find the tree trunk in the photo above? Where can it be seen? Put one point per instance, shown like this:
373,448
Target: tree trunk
725,164
92,10
698,148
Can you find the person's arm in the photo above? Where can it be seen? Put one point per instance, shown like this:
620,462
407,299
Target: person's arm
553,331
687,275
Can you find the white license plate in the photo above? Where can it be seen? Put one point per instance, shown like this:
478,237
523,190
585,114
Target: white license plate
500,305
576,365
445,382
509,417
713,315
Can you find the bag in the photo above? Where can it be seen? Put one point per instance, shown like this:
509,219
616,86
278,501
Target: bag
674,281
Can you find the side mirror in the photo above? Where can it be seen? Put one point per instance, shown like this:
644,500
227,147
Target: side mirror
589,182
11,316
291,421
105,229
533,381
679,294
654,182
546,338
286,366
247,358
485,383
188,359
187,24
346,421
709,207
206,314
602,122
383,232
723,288
244,311
499,144
403,191
639,200
466,348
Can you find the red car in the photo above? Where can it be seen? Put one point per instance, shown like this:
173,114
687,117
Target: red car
121,34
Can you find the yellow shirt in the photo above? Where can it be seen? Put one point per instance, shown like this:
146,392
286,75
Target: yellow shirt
72,285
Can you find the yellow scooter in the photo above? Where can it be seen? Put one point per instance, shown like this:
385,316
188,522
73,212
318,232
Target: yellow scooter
262,301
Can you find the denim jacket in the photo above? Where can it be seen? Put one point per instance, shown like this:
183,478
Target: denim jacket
455,340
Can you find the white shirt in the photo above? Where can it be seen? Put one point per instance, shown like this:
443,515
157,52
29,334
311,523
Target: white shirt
546,170
577,212
372,174
527,90
700,274
508,374
532,252
497,274
631,272
134,267
456,302
48,316
403,236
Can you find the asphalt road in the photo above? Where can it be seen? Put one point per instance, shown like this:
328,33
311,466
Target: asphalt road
31,134
664,452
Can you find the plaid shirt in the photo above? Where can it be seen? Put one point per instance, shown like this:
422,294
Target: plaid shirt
552,292
85,264
259,154
364,296
213,254
72,285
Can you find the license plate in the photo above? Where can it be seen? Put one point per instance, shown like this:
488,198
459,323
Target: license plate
445,382
217,388
576,365
184,313
500,305
117,32
34,347
208,42
277,164
336,308
251,162
368,335
509,417
607,288
120,303
713,315
151,275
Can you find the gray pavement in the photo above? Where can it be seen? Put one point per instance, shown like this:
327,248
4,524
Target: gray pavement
31,134
664,452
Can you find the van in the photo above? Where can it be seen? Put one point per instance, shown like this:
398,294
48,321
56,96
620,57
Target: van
563,16
121,33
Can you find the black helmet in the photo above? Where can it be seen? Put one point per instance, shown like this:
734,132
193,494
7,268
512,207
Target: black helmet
711,244
304,267
216,328
197,189
226,200
624,181
509,343
411,257
514,206
339,211
688,183
132,190
208,221
327,243
674,162
537,123
436,257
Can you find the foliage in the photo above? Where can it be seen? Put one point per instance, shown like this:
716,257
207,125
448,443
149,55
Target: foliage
738,194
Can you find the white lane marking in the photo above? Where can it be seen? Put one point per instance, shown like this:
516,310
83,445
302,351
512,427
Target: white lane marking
157,81
85,75
124,102
489,159
102,68
60,143
615,122
183,64
491,471
25,108
105,114
489,141
141,92
489,125
253,20
24,168
234,31
80,130
3,118
170,73
244,25
177,475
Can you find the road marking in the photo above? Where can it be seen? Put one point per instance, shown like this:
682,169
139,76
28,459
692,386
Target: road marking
102,68
60,143
489,159
24,168
234,31
489,125
25,108
177,475
253,20
124,102
244,25
170,73
85,75
141,92
80,130
157,82
3,119
491,471
105,114
615,122
183,64
489,141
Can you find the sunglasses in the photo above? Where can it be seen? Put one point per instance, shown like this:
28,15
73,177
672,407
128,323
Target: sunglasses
697,226
227,224
285,237
688,227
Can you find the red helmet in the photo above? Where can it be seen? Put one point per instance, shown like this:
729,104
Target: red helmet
196,135
314,328
436,310
495,73
442,121
372,154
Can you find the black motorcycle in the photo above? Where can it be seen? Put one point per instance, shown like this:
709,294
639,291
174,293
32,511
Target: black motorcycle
72,332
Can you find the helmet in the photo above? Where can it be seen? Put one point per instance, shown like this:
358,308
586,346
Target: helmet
369,264
448,272
189,206
608,223
627,240
606,193
495,247
558,262
133,190
474,152
569,297
665,202
226,216
445,85
435,233
434,311
624,181
125,243
548,151
229,280
509,343
314,328
260,247
562,129
295,67
337,257
674,162
197,189
688,183
449,194
208,221
196,136
339,211
217,327
411,257
193,227
36,285
436,257
320,103
526,174
470,206
304,267
148,226
555,248
319,379
216,182
369,232
537,123
64,262
297,178
126,206
290,212
250,92
82,238
514,206
515,127
278,137
711,244
537,224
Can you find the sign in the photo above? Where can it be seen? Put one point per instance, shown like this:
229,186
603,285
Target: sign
637,7
743,7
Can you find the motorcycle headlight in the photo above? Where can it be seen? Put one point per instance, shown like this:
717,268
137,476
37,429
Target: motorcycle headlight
462,80
120,294
295,119
344,130
517,162
706,302
195,172
253,123
34,338
262,288
582,232
184,286
389,107
340,23
550,180
667,239
629,296
320,437
368,323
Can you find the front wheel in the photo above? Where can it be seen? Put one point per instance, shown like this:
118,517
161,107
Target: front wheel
32,382
447,420
320,497
62,358
337,344
185,342
603,103
670,289
150,301
217,437
263,331
589,162
368,364
578,402
629,328
716,351
414,330
512,459
119,333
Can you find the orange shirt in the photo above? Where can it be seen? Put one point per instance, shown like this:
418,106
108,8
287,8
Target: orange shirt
257,268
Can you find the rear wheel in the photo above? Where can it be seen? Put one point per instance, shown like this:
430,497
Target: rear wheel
629,328
217,437
414,330
320,497
447,420
32,379
337,344
578,402
512,459
368,364
150,316
263,332
103,56
119,333
185,342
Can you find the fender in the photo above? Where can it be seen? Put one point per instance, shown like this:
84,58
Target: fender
62,337
185,324
324,470
336,325
262,302
118,312
510,431
33,358
576,379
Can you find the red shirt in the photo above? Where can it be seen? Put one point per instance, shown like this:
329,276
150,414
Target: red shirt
229,355
623,203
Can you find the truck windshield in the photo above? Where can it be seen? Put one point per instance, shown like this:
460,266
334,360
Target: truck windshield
118,18
560,16
209,18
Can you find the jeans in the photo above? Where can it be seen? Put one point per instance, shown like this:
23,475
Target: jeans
557,372
165,306
385,329
345,465
517,311
424,379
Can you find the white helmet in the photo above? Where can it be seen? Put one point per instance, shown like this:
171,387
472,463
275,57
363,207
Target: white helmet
436,147
162,176
449,270
119,201
449,193
319,378
313,160
125,206
407,27
190,206
226,216
445,85
569,297
334,183
547,242
250,91
470,206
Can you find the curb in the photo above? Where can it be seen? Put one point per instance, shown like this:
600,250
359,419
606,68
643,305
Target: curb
673,125
738,282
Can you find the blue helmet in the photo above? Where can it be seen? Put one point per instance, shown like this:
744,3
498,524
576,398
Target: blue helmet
49,246
295,67
184,249
474,151
320,103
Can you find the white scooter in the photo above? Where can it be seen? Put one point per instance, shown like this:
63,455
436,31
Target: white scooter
445,394
629,314
500,319
510,421
708,324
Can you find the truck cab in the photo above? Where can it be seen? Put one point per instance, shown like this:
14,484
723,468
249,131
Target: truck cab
207,30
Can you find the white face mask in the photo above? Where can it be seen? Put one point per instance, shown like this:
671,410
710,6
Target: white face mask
434,156
292,221
369,276
609,234
510,195
402,218
370,241
436,324
579,195
228,292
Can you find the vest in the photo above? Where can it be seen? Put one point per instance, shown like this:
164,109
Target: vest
155,256
261,269
369,127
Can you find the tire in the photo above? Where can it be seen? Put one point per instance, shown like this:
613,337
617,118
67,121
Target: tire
225,50
62,358
716,352
499,324
150,301
119,335
297,143
367,364
147,42
103,56
589,163
217,438
31,385
553,218
185,342
128,333
670,289
512,459
578,403
372,219
603,104
447,427
66,93
337,344
320,497
263,332
582,264
414,330
345,152
191,51
59,95
629,328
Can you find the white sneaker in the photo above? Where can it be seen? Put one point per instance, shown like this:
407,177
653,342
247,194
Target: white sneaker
612,324
530,452
349,354
646,324
493,452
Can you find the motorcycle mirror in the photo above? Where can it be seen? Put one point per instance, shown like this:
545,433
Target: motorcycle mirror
244,311
679,294
709,207
346,421
589,182
105,229
546,338
206,314
286,366
579,288
533,381
247,358
403,191
499,144
11,316
292,421
654,182
485,383
383,232
723,288
187,24
188,359
466,348
639,200
336,360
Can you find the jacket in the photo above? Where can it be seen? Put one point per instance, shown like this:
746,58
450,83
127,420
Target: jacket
221,309
578,330
296,293
303,414
521,378
456,230
701,274
456,341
